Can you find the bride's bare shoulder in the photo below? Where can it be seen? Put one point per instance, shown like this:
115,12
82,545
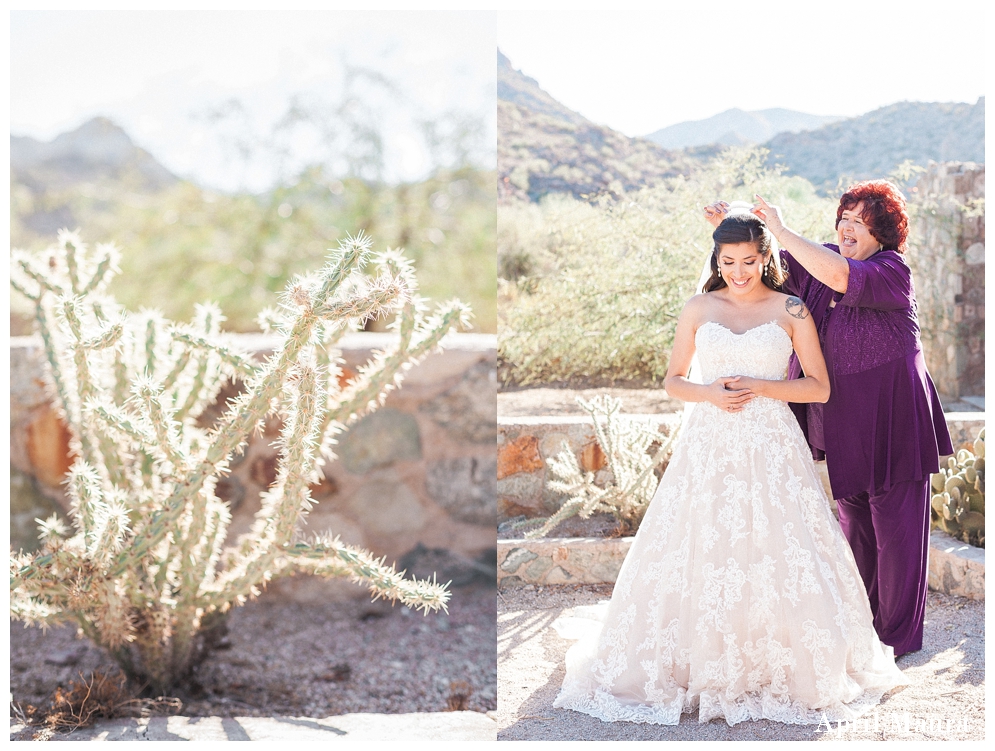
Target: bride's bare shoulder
697,306
697,310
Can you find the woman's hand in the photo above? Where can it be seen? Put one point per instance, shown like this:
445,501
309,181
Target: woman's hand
771,216
716,212
724,394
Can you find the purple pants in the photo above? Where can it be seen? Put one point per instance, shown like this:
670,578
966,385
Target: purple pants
889,535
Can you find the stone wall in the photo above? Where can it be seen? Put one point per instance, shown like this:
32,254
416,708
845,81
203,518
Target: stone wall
954,568
416,477
525,444
947,255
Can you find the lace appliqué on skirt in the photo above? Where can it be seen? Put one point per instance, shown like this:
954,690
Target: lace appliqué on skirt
740,596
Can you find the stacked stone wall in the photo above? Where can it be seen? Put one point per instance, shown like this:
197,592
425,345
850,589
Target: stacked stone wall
947,255
416,475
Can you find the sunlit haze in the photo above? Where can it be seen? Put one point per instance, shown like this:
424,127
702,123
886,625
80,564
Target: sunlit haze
156,73
639,71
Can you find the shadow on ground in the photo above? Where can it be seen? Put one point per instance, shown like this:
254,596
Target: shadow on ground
943,701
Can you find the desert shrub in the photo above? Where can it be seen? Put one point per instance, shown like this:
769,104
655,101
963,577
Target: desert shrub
186,244
592,291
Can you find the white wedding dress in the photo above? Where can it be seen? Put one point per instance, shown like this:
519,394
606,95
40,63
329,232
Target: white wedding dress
739,596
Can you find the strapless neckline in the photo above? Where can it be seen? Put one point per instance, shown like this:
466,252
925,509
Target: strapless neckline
744,333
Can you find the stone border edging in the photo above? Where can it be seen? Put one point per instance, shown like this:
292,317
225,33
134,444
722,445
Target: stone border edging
954,568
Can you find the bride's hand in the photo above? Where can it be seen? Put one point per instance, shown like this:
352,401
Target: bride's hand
716,212
753,385
771,216
725,395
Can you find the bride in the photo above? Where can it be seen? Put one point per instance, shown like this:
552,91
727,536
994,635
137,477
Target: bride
739,596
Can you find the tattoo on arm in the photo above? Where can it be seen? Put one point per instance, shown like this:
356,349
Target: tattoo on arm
795,307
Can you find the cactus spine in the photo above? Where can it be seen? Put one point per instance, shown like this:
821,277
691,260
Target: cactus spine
145,571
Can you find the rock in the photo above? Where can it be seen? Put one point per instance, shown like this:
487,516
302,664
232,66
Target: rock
975,254
386,506
27,503
515,558
231,490
263,470
65,657
554,443
592,458
537,569
523,490
466,487
424,563
379,439
324,489
468,411
509,510
48,447
519,455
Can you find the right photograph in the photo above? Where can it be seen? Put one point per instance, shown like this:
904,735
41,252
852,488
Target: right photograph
741,373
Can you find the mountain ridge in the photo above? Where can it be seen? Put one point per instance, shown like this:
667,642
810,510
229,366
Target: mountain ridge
98,149
872,145
545,147
735,127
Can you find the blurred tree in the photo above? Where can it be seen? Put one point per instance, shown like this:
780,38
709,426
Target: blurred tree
183,243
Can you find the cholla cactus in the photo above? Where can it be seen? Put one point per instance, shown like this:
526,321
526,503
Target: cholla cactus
145,571
958,500
626,445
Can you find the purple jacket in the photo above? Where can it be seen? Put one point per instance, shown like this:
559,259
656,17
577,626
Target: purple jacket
883,423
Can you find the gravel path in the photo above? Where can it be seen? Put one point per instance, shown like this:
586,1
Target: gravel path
944,701
315,660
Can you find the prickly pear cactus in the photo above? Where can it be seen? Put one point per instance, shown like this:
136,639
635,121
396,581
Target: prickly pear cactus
958,495
145,571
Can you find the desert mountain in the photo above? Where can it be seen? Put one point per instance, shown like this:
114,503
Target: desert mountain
517,88
545,147
96,162
95,151
873,144
737,127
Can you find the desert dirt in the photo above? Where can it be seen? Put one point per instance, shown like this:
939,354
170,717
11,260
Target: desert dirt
313,660
945,698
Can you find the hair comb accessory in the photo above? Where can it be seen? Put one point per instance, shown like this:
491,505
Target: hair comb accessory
739,207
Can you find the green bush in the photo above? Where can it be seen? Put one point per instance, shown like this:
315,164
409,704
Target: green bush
592,291
186,244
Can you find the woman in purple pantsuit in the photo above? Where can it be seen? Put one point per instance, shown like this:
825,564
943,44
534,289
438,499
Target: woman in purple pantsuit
882,430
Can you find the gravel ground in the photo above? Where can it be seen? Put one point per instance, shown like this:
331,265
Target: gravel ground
563,401
944,701
315,660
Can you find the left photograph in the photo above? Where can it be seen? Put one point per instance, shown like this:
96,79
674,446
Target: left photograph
253,375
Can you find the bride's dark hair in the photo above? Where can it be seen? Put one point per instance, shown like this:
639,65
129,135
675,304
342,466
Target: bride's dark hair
745,228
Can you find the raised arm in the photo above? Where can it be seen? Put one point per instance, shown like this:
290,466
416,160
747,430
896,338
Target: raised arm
814,387
828,267
723,392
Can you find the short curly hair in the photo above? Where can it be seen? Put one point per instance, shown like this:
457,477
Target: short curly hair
883,211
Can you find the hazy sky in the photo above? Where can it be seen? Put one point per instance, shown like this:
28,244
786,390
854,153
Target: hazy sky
638,71
155,73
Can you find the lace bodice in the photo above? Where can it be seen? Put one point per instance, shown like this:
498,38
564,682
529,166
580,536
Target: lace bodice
760,352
